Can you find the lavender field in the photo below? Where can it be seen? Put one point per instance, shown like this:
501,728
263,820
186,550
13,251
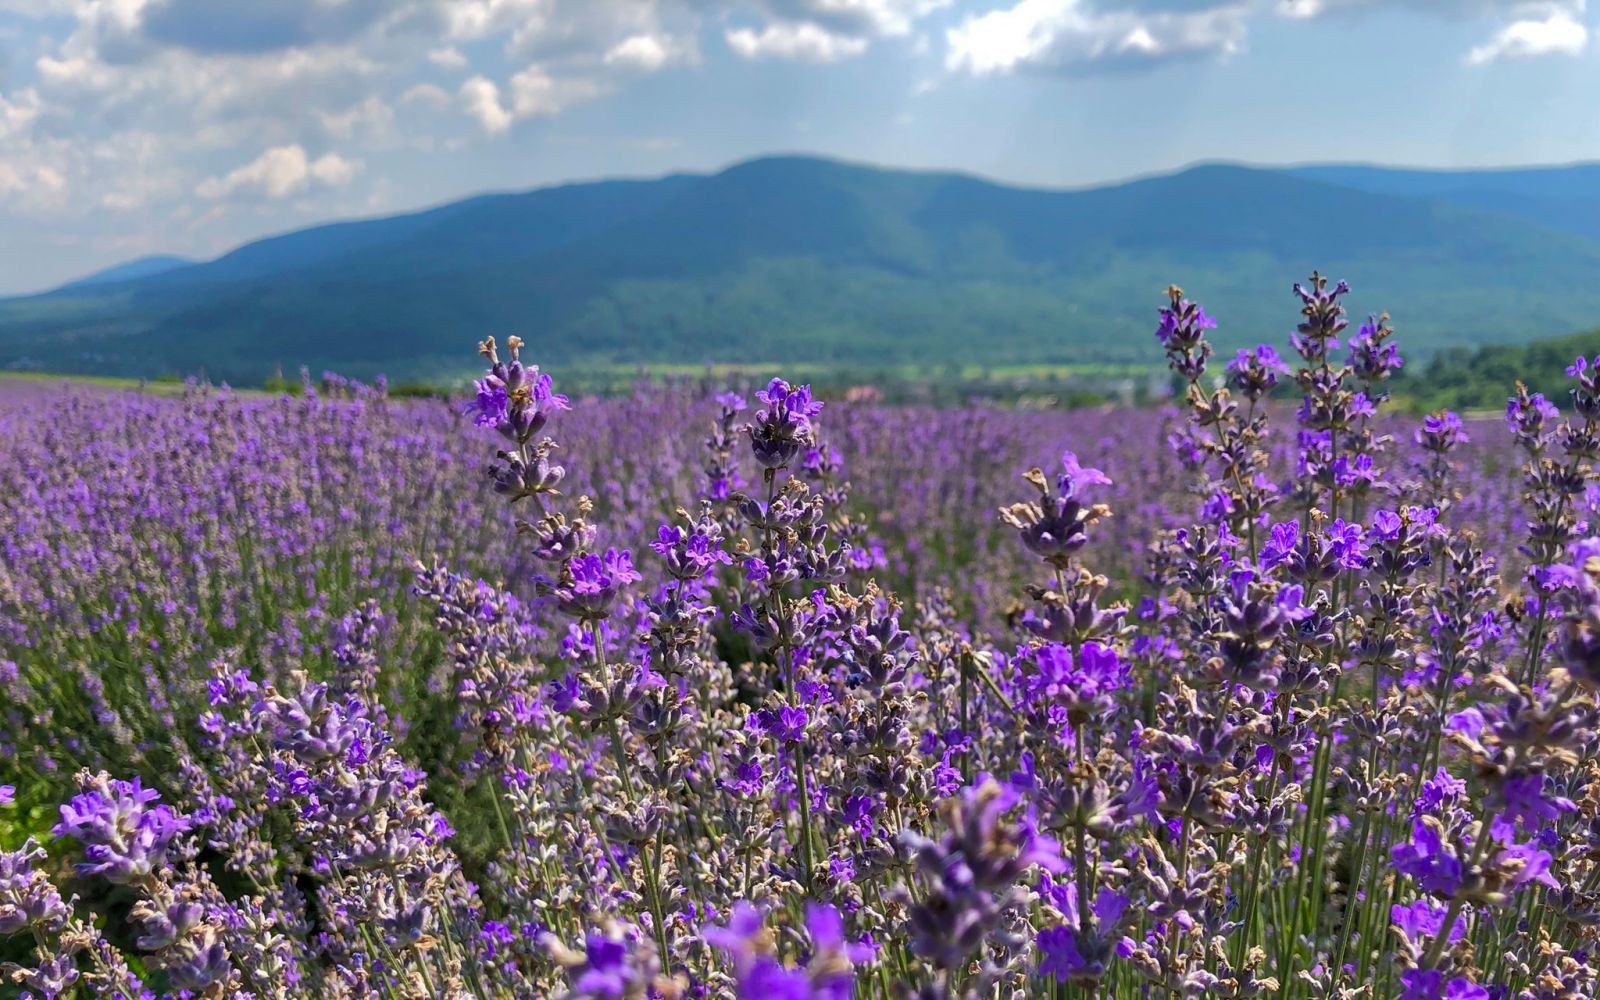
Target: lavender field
697,692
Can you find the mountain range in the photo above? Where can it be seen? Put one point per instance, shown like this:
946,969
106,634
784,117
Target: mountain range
797,260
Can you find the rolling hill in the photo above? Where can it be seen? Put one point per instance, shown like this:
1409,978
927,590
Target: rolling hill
808,261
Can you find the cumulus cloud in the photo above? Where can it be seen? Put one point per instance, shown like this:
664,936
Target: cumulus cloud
1081,36
36,169
264,69
1302,10
1554,30
1307,9
473,19
280,172
370,117
372,74
1528,28
480,98
566,51
30,179
822,31
802,41
532,93
448,57
1062,36
535,93
570,31
644,53
18,113
856,18
427,95
333,170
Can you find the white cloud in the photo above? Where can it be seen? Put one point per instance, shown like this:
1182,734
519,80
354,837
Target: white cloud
802,41
371,117
537,94
427,95
549,31
223,75
893,17
1069,35
1511,10
30,179
643,53
1557,32
570,51
16,115
468,20
208,79
36,168
280,172
448,57
334,170
76,73
480,98
1302,10
822,31
857,18
533,93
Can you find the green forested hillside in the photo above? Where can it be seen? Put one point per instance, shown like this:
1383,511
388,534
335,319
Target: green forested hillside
1463,379
805,261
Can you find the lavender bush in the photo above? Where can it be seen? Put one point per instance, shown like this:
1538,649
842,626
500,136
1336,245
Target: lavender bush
350,697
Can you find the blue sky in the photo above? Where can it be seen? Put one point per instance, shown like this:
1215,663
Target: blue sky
130,127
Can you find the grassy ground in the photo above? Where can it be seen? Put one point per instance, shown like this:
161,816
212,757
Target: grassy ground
1039,386
14,380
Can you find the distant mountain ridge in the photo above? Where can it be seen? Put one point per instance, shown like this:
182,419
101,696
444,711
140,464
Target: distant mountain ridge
796,260
1562,198
142,267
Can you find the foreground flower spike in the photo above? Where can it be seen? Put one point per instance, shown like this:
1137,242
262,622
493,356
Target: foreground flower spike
759,975
1182,333
1255,373
592,581
1057,524
783,424
514,399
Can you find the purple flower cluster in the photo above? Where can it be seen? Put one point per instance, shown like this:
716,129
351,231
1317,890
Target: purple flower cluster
125,831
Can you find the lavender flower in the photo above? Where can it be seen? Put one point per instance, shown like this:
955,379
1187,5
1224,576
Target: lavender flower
783,425
125,832
28,899
758,974
515,400
591,582
1255,372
